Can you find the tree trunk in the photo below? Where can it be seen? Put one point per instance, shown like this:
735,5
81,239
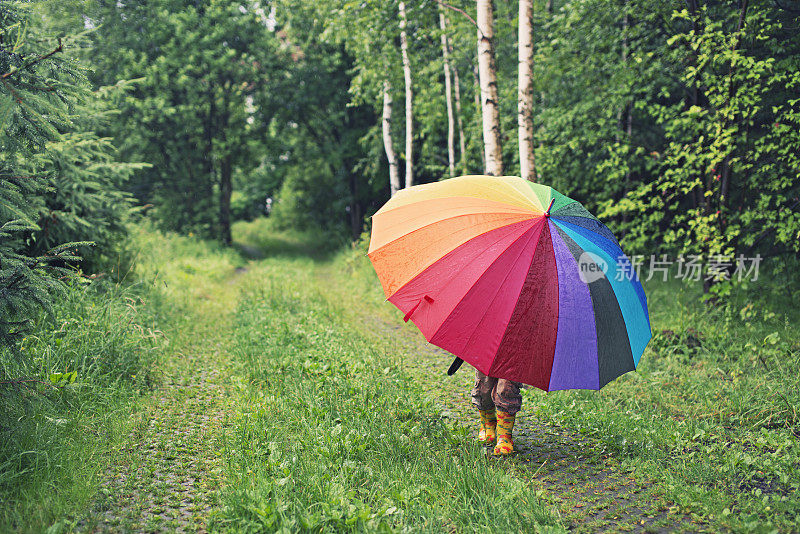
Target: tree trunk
488,79
698,193
355,208
462,144
388,145
448,93
462,141
208,158
476,90
225,190
409,97
525,91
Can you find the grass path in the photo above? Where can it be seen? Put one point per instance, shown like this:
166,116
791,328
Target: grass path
576,475
169,473
171,468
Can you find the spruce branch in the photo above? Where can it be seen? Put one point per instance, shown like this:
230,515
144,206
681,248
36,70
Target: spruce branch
59,48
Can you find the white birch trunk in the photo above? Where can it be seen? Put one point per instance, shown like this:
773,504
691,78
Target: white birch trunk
488,80
462,144
409,97
525,91
462,141
476,91
448,93
388,145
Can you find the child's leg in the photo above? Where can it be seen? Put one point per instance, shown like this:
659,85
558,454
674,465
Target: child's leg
482,400
482,392
507,398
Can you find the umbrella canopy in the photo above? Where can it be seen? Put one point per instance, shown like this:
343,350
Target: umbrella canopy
513,277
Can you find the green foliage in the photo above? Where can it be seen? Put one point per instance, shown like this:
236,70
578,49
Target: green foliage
202,106
66,401
728,173
709,166
85,201
38,84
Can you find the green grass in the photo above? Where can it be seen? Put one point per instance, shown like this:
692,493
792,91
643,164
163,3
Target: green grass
333,434
58,439
56,427
710,417
335,421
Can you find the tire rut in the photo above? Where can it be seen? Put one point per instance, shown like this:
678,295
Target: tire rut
167,474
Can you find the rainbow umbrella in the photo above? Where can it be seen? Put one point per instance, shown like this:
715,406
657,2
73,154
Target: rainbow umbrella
514,278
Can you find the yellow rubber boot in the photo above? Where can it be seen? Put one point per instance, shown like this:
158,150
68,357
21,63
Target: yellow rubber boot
487,430
505,425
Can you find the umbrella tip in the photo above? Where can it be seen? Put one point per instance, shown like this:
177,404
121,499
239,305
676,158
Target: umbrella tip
547,213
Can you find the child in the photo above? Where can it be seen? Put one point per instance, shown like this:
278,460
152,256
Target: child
498,401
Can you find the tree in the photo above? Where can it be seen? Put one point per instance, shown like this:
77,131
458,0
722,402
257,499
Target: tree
525,91
388,144
409,96
204,103
448,92
462,145
488,81
39,89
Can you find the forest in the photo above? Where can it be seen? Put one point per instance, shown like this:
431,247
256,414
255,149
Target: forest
193,336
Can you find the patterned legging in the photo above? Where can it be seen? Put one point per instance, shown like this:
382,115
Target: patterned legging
490,392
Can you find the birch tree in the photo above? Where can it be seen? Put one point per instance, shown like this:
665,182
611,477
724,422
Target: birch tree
462,144
409,97
525,91
476,92
448,92
488,81
388,145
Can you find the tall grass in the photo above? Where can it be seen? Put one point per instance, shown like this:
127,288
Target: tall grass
67,397
64,397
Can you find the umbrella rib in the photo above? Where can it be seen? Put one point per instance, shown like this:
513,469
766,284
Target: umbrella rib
607,240
534,302
562,217
630,327
527,192
498,287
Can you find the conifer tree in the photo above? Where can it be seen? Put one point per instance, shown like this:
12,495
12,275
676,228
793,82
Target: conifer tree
37,84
